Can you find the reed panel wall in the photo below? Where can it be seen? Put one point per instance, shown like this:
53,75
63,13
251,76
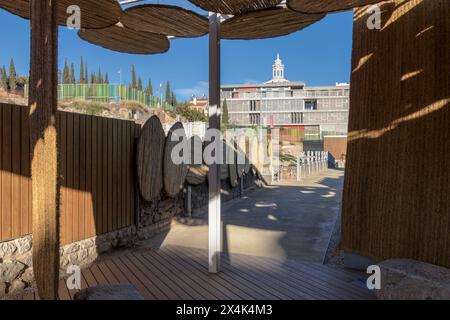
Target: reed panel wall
397,188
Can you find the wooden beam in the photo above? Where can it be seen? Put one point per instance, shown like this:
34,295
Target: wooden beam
215,230
44,167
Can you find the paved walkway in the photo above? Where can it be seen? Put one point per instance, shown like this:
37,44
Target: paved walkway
292,222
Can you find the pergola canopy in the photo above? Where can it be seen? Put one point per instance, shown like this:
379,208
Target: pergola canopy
165,19
325,6
234,7
122,39
94,14
268,23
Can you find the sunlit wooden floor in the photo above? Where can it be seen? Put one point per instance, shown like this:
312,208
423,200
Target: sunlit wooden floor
181,273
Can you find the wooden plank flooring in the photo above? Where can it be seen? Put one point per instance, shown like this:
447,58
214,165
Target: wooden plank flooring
181,273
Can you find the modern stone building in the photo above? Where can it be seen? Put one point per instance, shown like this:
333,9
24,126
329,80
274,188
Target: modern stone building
308,112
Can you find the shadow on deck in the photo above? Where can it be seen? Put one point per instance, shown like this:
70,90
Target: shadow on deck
181,273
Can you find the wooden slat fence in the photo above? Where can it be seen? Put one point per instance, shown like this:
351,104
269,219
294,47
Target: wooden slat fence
96,165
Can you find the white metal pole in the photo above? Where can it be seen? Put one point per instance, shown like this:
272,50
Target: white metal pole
215,224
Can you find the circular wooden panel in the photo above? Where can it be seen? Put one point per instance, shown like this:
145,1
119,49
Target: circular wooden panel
267,23
174,174
248,165
150,154
121,39
324,6
94,14
234,6
198,172
254,151
241,158
165,19
224,170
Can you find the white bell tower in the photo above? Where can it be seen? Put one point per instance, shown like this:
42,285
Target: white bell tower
278,70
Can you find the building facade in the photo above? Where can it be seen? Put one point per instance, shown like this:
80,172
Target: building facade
309,111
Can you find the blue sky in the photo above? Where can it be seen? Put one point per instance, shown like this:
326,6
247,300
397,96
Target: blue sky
318,55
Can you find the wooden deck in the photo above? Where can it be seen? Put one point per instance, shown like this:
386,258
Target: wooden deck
181,273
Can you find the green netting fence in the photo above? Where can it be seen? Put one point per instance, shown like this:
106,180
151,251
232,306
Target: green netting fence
108,93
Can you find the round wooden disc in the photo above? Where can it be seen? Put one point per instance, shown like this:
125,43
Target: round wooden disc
224,170
234,6
198,172
165,19
254,151
324,6
94,14
121,39
267,23
241,158
248,165
175,174
150,154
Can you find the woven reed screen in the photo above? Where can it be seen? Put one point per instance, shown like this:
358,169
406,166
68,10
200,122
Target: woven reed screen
397,189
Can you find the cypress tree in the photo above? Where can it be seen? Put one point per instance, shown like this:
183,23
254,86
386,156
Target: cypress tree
12,76
225,116
168,92
72,74
99,76
3,79
106,78
81,77
174,101
93,78
86,74
66,76
133,77
139,87
150,88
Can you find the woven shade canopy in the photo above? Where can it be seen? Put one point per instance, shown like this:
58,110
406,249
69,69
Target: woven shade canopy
322,6
234,7
95,14
165,19
122,39
267,23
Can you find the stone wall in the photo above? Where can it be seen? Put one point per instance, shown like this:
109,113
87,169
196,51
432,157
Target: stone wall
200,195
16,273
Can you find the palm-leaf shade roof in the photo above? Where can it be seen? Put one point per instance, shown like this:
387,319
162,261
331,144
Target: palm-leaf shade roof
234,7
94,14
166,20
323,6
121,39
268,23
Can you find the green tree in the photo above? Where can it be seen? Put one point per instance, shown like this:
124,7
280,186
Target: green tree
3,79
225,116
150,88
72,74
93,78
86,74
174,101
139,86
133,77
106,78
66,75
168,92
99,76
81,76
12,76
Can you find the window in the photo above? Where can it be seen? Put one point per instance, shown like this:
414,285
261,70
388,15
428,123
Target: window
310,104
254,119
296,118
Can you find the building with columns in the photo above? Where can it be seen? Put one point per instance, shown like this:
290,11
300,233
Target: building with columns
309,112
